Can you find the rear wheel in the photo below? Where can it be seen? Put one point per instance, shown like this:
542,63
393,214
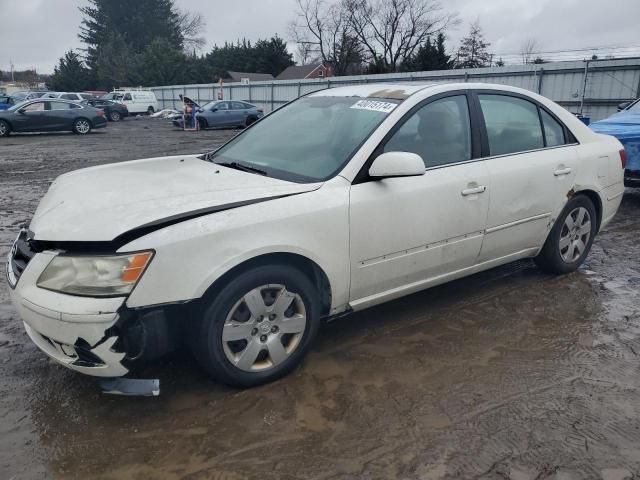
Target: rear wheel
5,129
81,126
258,327
115,116
570,239
250,120
150,110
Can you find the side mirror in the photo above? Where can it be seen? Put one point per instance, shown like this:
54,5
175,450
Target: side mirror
200,110
214,109
21,111
397,164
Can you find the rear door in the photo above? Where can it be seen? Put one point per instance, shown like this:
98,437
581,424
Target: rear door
239,113
60,115
532,167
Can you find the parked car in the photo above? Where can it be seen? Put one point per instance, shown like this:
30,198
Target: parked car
625,126
343,199
49,115
137,101
74,97
6,101
27,95
227,113
113,110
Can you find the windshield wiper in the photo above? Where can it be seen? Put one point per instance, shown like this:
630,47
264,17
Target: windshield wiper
242,167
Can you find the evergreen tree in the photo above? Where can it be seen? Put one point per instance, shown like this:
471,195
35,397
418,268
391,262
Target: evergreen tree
138,23
473,49
429,57
70,74
160,64
114,62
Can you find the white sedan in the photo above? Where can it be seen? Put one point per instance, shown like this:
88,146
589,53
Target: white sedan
340,200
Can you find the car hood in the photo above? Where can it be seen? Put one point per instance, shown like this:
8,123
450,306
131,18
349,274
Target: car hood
102,203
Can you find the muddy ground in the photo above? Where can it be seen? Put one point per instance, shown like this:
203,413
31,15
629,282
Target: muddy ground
509,374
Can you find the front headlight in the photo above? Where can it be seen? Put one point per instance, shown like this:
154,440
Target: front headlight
95,276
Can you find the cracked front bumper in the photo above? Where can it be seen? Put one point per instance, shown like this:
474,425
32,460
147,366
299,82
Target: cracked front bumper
71,330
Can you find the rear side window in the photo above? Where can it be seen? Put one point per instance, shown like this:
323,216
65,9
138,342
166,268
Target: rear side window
512,124
439,132
238,106
59,106
553,131
69,96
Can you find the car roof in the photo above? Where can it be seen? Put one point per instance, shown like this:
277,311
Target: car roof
402,91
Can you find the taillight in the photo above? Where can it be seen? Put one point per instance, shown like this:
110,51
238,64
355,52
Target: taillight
101,113
623,158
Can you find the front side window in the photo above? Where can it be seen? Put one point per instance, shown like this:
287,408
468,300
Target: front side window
222,106
34,107
512,124
440,132
309,139
68,96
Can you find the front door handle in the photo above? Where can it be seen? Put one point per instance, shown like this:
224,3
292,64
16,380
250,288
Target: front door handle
562,171
472,191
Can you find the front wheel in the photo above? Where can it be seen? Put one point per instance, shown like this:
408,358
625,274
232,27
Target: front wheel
115,116
5,129
258,327
571,237
81,126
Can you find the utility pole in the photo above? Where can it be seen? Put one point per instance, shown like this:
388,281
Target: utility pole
12,77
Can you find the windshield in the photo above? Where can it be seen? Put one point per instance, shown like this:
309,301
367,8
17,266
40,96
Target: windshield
16,106
310,139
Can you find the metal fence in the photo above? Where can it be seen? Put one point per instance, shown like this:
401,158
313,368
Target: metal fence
593,88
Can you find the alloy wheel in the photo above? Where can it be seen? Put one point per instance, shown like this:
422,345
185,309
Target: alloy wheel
82,126
264,328
575,234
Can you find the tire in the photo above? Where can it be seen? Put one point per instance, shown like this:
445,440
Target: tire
115,116
202,123
5,129
239,349
150,110
81,126
571,237
250,120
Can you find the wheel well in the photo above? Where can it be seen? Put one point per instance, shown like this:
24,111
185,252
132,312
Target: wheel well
304,264
203,121
83,118
8,123
597,203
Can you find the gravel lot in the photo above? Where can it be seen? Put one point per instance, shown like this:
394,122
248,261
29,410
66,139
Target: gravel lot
509,374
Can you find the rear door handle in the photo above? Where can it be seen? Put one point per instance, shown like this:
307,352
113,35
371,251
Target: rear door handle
472,191
562,171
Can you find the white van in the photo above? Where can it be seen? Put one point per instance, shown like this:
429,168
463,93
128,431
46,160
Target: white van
137,101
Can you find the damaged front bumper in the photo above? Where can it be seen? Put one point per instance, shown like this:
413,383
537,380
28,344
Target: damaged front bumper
76,332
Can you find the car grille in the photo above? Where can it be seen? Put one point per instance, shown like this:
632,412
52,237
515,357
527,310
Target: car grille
21,254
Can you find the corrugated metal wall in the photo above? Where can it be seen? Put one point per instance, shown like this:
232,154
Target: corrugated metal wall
594,87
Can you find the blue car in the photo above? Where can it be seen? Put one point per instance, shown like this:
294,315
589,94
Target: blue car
625,126
7,101
224,113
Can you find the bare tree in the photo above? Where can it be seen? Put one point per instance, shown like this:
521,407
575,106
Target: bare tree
323,30
392,30
529,47
191,25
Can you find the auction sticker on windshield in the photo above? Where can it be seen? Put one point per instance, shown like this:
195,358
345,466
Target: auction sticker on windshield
376,106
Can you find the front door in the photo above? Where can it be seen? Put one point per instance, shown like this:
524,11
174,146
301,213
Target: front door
408,231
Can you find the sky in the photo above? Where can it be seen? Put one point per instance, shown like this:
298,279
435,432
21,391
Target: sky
48,28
